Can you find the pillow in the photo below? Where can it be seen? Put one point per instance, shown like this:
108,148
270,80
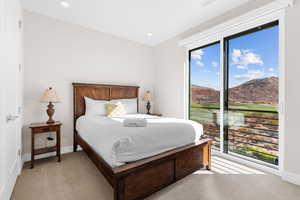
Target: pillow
115,110
130,105
94,107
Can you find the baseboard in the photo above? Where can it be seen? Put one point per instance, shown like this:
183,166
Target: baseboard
67,149
8,187
291,177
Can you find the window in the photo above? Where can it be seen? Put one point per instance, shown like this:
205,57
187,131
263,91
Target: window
251,92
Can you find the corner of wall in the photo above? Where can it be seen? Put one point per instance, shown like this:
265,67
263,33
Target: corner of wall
291,177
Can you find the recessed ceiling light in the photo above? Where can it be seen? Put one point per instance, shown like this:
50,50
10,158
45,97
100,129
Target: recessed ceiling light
149,34
64,4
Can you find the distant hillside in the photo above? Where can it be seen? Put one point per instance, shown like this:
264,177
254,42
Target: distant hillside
204,94
261,91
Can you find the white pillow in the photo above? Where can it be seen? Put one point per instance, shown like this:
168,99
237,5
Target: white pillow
94,107
130,105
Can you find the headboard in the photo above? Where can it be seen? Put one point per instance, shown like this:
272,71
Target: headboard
100,92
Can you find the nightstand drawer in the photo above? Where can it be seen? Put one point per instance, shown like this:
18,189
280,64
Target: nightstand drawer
45,129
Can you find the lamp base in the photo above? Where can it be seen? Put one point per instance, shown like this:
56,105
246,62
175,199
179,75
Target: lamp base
50,112
50,122
148,107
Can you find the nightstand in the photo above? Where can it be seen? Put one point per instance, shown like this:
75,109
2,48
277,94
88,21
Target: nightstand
155,114
39,128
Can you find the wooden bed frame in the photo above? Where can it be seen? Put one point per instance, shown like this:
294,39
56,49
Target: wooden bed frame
139,179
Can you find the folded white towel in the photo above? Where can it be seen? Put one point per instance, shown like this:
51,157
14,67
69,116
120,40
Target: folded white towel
135,122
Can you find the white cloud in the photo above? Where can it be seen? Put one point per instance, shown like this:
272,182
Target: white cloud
199,63
218,73
197,55
272,75
243,58
241,67
215,64
206,70
236,54
251,74
271,69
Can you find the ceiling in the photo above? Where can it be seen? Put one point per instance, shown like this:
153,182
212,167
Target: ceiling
135,19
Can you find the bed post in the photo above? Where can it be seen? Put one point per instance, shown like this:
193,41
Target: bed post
75,144
119,189
207,155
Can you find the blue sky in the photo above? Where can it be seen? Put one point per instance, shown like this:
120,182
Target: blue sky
251,56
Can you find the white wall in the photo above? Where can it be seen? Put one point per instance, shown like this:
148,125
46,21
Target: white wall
170,59
292,104
57,54
169,79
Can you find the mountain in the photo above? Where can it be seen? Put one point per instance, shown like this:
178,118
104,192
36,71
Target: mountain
202,94
261,91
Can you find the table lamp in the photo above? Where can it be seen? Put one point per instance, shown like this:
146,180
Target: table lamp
147,97
50,97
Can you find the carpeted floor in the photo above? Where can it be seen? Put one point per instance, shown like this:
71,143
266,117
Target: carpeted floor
76,178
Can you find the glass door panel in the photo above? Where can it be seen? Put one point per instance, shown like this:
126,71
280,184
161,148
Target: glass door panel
252,93
205,90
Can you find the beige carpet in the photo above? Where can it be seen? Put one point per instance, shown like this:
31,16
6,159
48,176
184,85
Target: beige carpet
76,178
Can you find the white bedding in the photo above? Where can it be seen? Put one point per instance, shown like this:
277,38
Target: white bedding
118,144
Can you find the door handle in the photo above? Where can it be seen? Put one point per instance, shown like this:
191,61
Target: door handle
11,118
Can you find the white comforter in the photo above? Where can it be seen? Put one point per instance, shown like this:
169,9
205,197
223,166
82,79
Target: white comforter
118,144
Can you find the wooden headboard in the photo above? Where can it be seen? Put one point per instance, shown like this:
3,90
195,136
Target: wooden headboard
100,92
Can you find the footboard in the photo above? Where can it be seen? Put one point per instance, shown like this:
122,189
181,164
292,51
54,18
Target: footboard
142,178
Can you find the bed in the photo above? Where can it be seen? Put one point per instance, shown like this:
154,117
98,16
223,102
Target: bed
129,176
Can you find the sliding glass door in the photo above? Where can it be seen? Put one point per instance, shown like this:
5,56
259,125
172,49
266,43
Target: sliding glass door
205,89
252,93
250,87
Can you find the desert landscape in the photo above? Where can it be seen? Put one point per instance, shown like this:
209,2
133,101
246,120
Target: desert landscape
252,118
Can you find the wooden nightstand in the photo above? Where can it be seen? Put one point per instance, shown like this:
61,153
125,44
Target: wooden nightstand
38,128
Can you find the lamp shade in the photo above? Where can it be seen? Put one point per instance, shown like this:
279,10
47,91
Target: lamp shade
147,96
49,96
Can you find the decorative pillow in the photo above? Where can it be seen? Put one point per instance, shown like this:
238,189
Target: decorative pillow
94,107
115,110
130,105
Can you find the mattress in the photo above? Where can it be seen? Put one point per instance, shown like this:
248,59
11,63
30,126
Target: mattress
118,145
